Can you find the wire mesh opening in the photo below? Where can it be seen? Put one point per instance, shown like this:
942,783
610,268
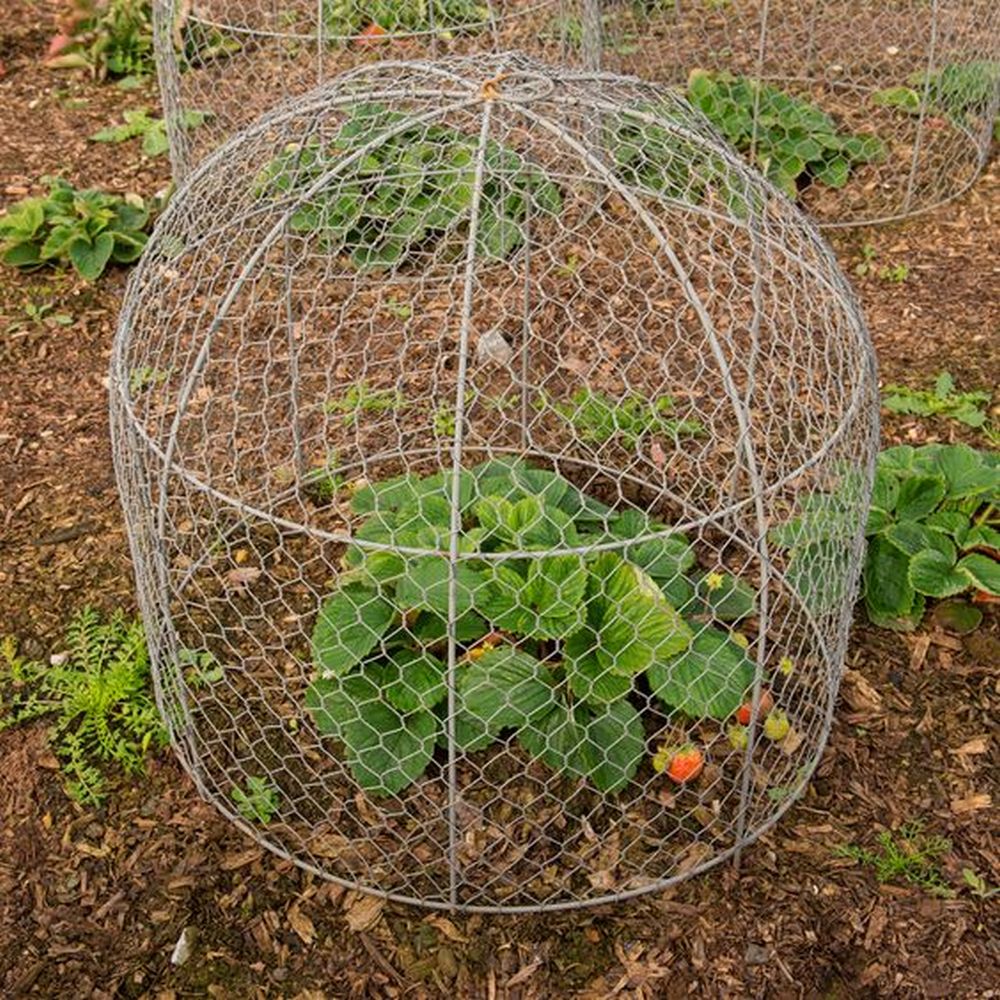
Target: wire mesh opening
494,446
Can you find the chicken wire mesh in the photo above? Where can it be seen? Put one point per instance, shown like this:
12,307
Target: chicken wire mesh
874,109
495,447
221,63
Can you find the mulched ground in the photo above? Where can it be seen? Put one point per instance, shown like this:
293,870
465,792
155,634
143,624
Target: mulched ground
92,903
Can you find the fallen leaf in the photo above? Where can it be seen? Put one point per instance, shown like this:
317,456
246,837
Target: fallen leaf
978,745
238,578
301,924
447,928
242,859
972,803
364,911
525,973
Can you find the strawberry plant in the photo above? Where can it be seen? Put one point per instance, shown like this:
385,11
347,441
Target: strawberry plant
599,418
961,92
110,38
86,228
343,18
968,408
793,142
152,131
933,532
551,648
412,189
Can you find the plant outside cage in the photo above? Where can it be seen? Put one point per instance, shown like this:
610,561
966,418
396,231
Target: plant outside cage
495,448
222,63
874,110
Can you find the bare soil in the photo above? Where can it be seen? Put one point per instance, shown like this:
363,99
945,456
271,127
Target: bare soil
92,902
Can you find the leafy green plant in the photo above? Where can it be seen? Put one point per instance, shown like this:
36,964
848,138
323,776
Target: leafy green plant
550,647
794,142
968,408
98,693
258,801
894,273
411,189
599,418
152,131
361,398
933,531
960,91
344,18
909,856
86,228
978,886
110,38
38,314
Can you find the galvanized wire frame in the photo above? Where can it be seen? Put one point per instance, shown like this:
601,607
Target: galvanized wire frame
847,57
232,60
616,320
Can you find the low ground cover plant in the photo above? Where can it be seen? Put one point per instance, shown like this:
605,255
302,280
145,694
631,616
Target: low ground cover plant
553,651
960,92
942,400
409,191
933,531
97,695
153,131
792,140
112,39
374,18
87,229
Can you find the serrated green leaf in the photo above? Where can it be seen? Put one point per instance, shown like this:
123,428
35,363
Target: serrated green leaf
727,597
888,591
604,745
983,571
414,680
918,496
933,574
424,584
633,623
708,680
89,258
349,626
503,688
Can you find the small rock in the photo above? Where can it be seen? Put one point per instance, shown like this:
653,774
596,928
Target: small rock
494,347
185,943
756,955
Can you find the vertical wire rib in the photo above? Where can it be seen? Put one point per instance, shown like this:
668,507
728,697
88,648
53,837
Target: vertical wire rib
456,495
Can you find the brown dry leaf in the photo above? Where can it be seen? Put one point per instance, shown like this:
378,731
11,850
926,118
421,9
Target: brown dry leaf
978,745
693,857
860,694
242,859
308,994
238,578
363,912
876,925
329,845
972,803
792,741
918,651
524,974
446,928
301,924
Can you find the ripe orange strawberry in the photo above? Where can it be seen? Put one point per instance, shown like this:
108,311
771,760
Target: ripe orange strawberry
745,710
685,764
370,35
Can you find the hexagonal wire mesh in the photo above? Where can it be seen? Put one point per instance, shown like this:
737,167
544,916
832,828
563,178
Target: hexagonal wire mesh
922,76
232,60
488,434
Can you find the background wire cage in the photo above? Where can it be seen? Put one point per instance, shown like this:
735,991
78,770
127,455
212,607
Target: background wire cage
222,63
487,433
921,76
